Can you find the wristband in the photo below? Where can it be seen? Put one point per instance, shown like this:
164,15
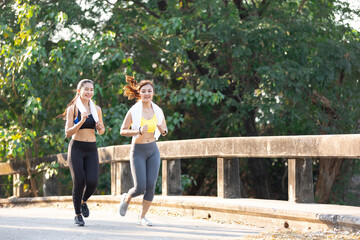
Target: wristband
140,131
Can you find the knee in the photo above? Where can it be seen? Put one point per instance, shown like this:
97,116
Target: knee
92,183
150,187
150,192
79,181
140,188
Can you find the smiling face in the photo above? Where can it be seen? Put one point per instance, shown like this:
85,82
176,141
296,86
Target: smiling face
86,92
146,93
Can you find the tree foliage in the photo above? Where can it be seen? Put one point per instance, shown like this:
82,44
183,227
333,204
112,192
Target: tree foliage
221,68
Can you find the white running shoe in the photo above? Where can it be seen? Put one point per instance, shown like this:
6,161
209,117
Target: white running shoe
144,222
123,205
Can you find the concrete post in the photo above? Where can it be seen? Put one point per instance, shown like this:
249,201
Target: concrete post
16,185
228,178
121,178
171,177
50,186
300,181
114,181
18,188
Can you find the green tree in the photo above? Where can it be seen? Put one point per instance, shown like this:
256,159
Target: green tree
38,75
221,68
267,67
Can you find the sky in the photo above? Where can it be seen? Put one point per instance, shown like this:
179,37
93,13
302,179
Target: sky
354,4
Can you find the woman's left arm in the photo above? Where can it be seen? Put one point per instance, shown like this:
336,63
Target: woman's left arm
100,124
163,128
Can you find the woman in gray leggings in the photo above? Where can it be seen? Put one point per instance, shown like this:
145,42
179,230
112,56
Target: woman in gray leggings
147,123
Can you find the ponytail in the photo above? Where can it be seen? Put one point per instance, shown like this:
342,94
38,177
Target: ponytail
72,102
132,90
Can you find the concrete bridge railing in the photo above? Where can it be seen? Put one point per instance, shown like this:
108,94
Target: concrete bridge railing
297,149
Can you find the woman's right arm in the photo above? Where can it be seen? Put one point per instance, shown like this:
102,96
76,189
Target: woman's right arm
125,127
70,128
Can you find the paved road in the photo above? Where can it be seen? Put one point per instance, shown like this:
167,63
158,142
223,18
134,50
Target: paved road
57,223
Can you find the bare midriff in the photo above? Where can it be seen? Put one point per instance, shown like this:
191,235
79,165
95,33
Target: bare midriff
85,135
145,138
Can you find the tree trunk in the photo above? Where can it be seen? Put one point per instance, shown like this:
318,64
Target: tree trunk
32,180
329,168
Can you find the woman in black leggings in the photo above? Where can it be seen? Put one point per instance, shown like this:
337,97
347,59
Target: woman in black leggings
82,118
147,122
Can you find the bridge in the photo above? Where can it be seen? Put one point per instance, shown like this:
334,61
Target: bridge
299,211
44,222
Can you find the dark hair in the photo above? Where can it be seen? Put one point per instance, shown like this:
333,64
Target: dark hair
132,90
72,102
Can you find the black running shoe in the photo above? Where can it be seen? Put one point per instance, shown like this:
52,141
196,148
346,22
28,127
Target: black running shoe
85,210
79,221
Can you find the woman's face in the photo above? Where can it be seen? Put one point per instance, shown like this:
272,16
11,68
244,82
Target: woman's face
146,93
86,91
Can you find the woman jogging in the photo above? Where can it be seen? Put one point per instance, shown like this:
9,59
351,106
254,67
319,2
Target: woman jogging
147,122
82,118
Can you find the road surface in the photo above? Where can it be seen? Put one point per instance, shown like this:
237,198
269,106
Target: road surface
57,223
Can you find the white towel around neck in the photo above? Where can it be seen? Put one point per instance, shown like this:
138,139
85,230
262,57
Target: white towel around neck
82,109
136,112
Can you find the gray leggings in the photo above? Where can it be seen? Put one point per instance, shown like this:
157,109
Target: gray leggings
145,164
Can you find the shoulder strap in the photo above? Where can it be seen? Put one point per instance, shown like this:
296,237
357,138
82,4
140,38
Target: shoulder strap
75,111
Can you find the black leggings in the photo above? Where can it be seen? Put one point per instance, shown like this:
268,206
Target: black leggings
83,162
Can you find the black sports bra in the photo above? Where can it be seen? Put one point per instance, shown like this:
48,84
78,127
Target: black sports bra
89,122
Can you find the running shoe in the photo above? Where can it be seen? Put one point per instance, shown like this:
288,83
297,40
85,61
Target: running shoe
123,205
79,221
85,210
144,222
